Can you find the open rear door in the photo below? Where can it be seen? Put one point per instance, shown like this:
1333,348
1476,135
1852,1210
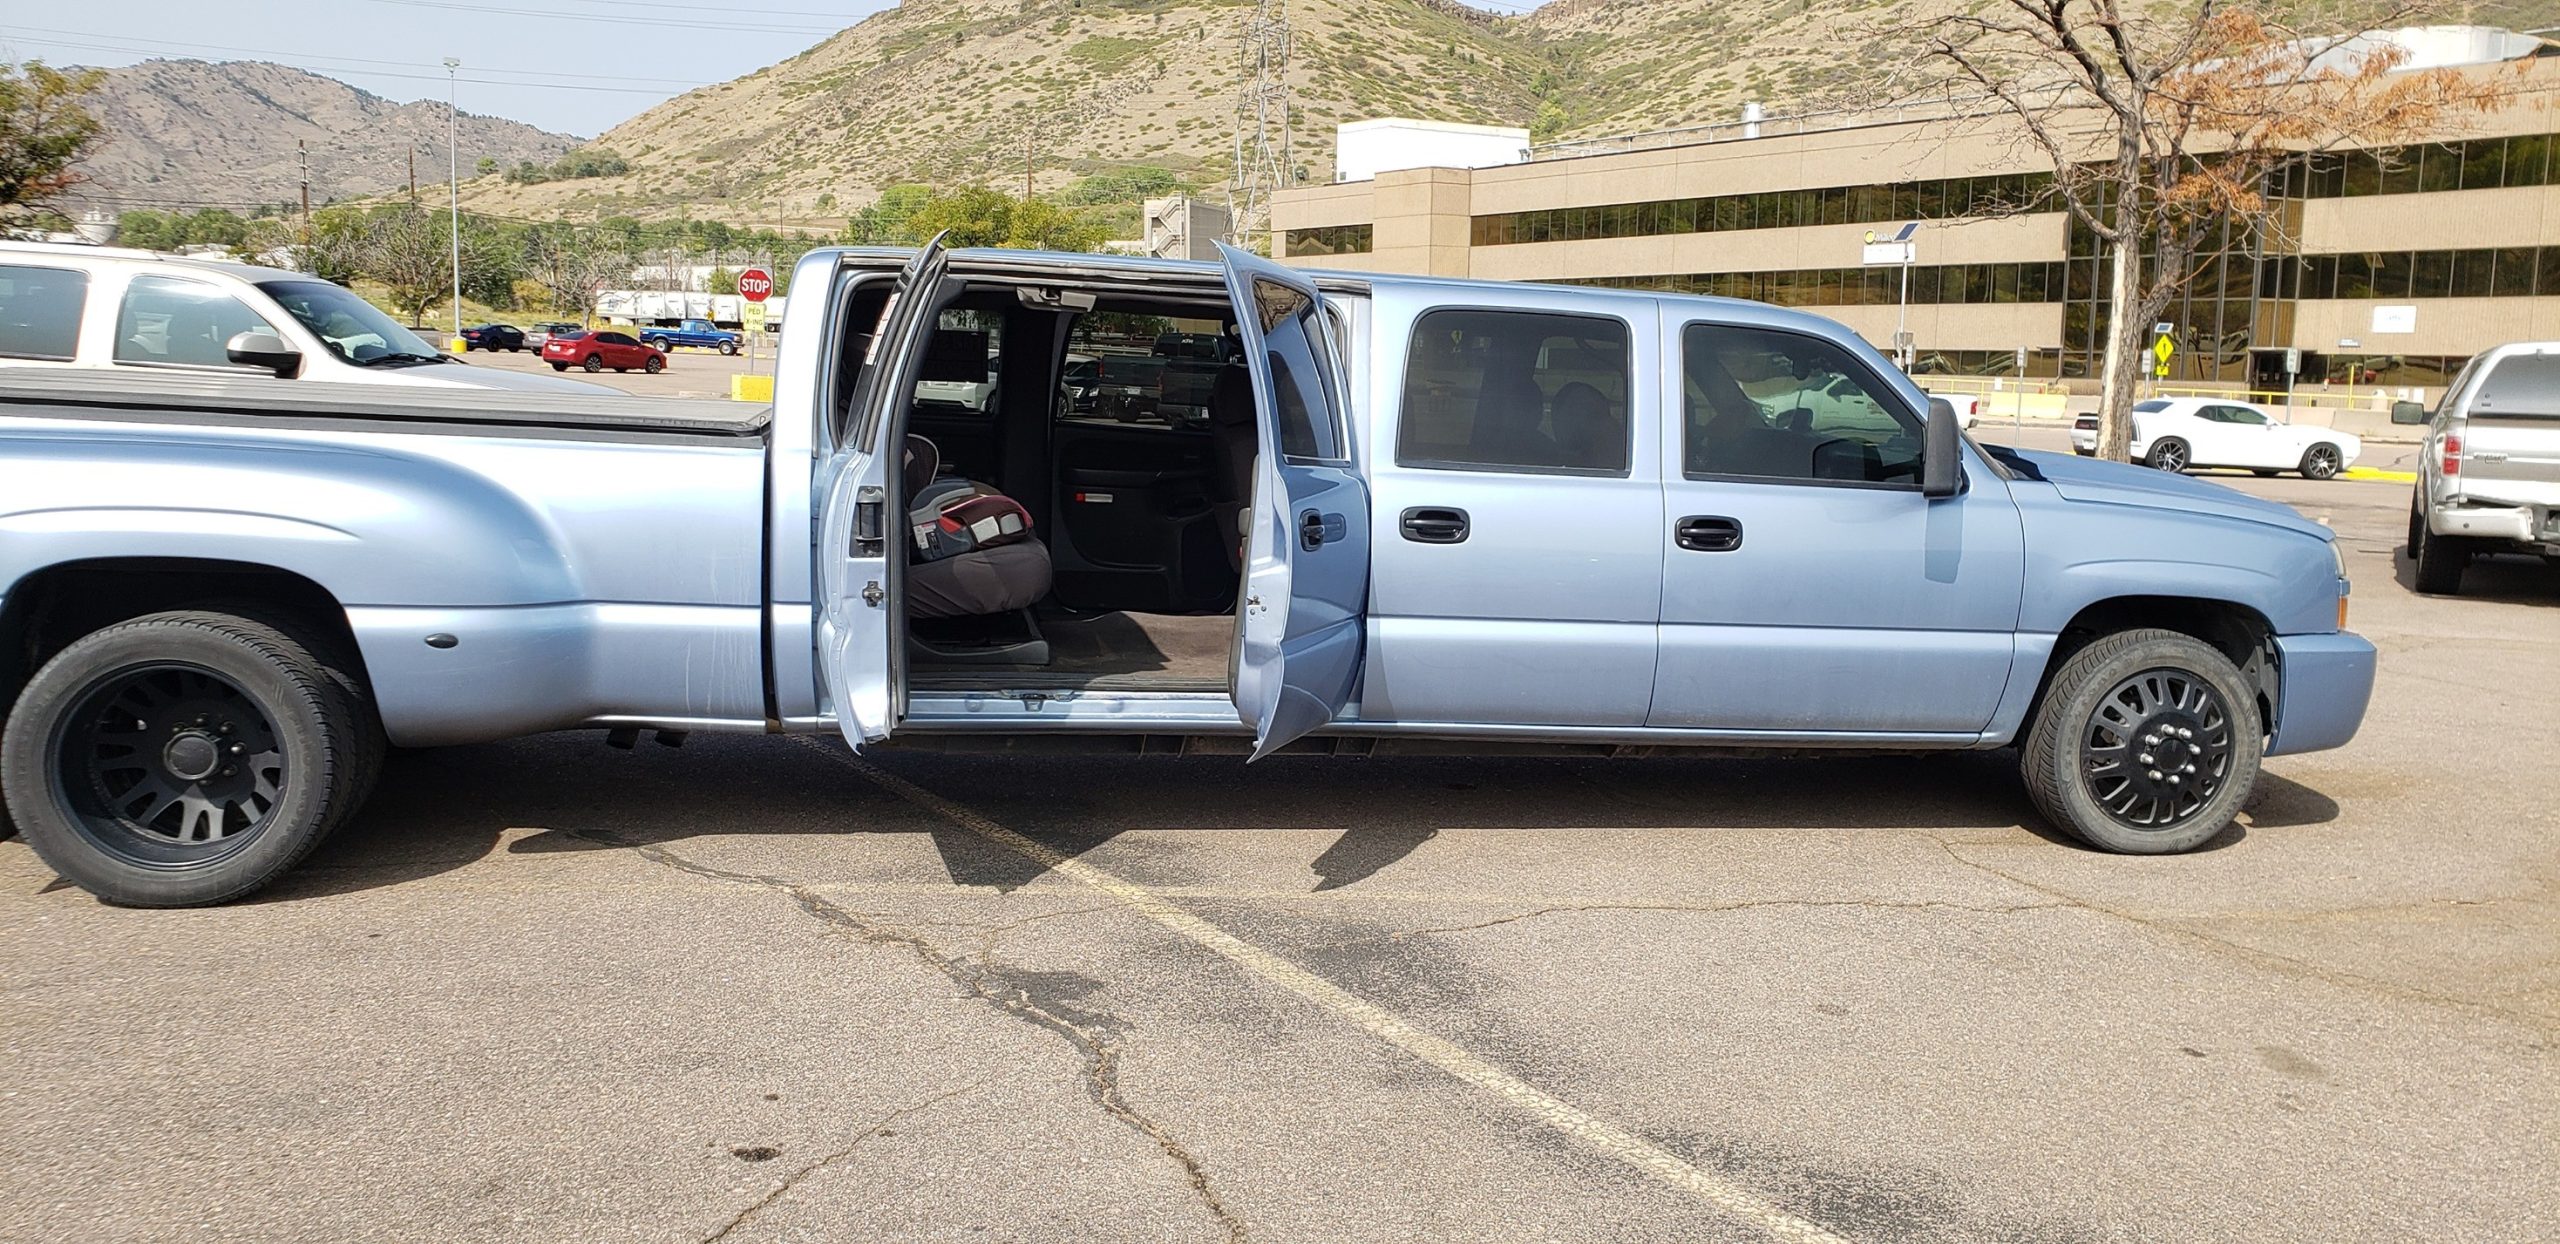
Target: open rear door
860,627
1306,574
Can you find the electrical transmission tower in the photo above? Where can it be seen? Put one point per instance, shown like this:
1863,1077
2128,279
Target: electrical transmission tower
1262,123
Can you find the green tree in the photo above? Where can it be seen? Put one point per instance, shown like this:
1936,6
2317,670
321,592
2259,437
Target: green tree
486,166
214,226
45,130
1040,225
884,221
150,230
967,216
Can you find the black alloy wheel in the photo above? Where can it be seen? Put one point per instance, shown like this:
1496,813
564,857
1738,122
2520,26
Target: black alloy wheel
2158,748
169,765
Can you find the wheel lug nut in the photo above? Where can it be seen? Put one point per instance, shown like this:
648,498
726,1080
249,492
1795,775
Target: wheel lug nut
236,749
2174,779
2146,758
2155,775
2185,733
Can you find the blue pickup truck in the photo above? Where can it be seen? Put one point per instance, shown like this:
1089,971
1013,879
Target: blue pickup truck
699,333
1420,513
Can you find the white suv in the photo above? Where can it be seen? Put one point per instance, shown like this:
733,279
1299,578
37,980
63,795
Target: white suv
105,307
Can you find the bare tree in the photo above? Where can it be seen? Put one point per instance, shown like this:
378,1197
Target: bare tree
2164,125
573,264
410,250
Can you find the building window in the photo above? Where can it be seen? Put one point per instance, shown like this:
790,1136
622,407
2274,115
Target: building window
1516,391
1830,205
2473,164
1326,240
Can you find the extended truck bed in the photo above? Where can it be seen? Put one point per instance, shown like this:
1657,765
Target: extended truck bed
166,396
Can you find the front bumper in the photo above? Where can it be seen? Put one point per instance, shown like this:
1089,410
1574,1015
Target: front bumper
2328,679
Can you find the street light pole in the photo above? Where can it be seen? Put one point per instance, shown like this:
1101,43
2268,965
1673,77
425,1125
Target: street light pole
453,182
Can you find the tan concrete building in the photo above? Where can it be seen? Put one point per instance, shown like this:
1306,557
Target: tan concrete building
2397,265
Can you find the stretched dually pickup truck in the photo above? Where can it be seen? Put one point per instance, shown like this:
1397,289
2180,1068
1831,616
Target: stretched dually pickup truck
1427,511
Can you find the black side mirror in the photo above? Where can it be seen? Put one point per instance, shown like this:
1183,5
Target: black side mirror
2408,412
1941,451
266,351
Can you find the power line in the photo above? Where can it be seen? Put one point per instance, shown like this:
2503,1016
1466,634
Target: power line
512,13
657,92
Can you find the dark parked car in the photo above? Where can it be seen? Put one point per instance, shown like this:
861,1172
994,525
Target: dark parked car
599,350
493,337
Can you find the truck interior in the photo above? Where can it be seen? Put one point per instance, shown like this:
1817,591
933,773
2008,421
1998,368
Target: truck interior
1121,421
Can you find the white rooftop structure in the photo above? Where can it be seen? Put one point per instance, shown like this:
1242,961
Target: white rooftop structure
1364,149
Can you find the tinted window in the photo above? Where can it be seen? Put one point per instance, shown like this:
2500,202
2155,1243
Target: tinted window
165,320
1301,377
40,311
615,339
2525,385
1777,405
1516,390
2152,405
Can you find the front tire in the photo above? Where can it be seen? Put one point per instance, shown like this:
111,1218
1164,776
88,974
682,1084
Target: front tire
2321,461
2147,743
178,759
2167,454
729,347
654,366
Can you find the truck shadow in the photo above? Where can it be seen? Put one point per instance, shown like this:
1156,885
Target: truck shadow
2506,578
443,810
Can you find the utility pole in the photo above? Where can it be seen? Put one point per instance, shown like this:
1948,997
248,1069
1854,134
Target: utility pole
1262,122
413,174
453,150
302,157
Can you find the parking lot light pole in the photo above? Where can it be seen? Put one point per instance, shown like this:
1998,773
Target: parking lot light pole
453,183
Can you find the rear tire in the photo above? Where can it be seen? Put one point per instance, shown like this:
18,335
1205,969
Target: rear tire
2134,704
2321,461
2440,560
2263,473
234,767
2167,454
559,367
595,363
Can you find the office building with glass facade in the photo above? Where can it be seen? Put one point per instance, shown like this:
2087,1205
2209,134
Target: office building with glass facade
2380,266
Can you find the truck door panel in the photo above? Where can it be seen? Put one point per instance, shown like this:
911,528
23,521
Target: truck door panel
1518,573
1133,527
1809,587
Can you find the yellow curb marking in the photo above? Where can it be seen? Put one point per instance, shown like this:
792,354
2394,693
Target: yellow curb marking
2377,473
1575,1123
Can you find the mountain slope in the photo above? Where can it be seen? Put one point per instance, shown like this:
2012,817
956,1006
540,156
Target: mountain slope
954,90
190,132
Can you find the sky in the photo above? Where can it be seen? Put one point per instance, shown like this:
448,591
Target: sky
574,66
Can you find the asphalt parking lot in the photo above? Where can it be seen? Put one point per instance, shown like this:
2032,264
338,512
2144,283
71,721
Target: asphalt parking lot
760,989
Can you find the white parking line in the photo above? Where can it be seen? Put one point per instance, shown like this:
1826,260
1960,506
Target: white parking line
1583,1128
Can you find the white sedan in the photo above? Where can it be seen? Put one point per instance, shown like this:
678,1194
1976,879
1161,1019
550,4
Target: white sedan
2178,433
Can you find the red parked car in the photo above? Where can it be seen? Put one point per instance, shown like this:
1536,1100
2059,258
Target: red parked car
599,350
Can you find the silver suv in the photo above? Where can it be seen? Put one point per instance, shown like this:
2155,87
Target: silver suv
2489,474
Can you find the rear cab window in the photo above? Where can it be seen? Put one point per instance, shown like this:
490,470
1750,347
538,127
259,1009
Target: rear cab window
2520,386
40,312
1526,391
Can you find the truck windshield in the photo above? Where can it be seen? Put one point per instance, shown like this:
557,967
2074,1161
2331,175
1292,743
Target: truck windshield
353,329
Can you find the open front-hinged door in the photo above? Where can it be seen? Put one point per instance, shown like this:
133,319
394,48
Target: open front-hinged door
858,603
1306,573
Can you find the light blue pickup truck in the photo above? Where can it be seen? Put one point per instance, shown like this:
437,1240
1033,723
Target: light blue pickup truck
1420,513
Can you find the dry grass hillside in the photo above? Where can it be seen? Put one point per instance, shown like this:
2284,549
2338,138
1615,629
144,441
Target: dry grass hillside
947,91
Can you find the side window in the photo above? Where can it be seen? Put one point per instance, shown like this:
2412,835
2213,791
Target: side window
185,323
616,339
2245,417
1765,404
1516,391
1302,377
960,362
40,312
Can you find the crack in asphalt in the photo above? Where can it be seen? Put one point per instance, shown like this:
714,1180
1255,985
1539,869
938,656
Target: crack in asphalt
2264,958
981,979
1743,905
792,1180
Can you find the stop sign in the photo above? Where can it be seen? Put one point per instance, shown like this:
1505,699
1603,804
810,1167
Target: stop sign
755,285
